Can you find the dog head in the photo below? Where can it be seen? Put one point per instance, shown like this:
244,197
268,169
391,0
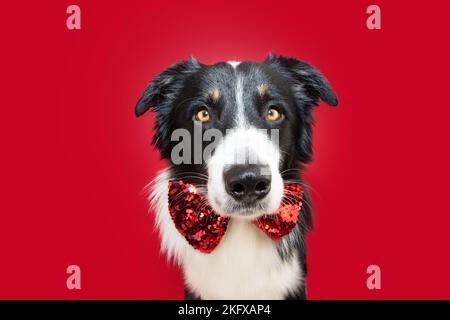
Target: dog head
246,127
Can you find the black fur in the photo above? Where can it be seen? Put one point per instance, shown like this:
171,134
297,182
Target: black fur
163,94
295,86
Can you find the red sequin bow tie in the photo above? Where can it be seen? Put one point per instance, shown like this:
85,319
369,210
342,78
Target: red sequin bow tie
203,228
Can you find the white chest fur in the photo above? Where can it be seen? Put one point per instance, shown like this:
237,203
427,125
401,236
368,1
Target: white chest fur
245,265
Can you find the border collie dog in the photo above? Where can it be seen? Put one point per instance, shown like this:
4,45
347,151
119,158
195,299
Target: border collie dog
238,99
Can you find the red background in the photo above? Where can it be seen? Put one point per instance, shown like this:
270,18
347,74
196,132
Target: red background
74,158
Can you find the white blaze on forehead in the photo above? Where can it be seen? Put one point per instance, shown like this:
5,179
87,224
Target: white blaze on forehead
239,93
240,115
234,64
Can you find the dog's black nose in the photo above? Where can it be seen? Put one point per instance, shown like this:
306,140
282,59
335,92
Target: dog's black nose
247,183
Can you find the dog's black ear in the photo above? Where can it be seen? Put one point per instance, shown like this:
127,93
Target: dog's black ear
161,95
307,85
163,89
311,84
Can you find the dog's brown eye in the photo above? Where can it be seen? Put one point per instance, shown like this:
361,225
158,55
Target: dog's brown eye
273,114
202,116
